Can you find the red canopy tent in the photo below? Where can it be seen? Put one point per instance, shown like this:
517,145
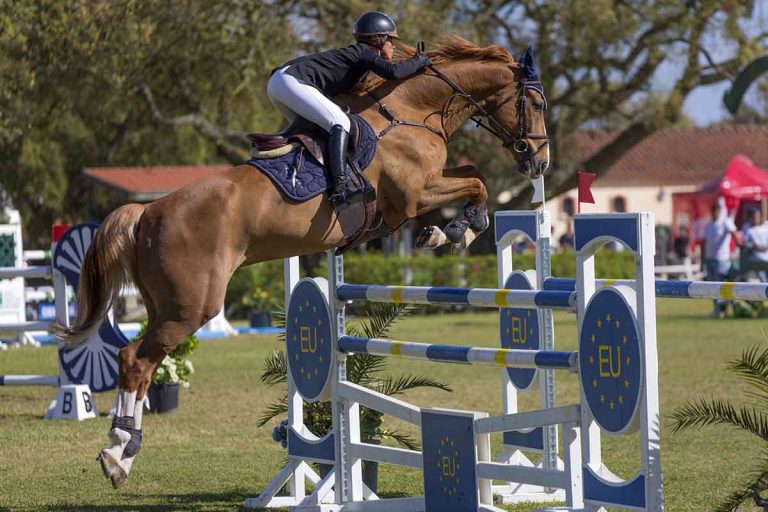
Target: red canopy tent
743,185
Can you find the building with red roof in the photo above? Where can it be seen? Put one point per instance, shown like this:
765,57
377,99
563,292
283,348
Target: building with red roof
667,163
145,184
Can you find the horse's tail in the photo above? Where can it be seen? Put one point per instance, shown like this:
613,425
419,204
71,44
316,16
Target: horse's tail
109,264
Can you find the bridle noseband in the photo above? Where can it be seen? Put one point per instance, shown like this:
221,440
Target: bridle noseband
518,141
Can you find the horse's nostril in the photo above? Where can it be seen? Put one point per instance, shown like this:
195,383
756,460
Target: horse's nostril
543,166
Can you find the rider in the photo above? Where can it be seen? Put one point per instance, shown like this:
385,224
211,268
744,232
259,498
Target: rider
304,85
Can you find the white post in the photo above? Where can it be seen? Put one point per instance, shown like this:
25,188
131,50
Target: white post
346,415
535,226
297,481
645,287
585,288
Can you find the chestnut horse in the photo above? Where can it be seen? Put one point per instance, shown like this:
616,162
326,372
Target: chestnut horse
182,249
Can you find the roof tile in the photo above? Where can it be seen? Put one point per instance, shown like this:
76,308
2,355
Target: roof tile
152,179
674,156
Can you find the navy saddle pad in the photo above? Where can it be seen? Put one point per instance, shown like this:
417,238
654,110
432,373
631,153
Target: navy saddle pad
300,176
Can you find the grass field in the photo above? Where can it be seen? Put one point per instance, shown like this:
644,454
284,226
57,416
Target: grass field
210,455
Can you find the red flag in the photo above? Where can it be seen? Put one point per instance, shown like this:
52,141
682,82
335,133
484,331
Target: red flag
585,182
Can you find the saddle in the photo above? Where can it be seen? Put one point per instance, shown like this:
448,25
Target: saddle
305,134
293,160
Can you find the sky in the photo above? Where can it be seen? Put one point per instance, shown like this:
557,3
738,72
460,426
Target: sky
704,105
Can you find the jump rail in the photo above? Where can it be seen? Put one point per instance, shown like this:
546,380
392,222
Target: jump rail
481,356
677,289
479,297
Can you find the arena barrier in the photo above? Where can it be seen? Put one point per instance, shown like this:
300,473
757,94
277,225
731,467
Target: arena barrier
616,361
89,367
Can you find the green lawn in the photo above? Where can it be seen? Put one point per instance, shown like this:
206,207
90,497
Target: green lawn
210,455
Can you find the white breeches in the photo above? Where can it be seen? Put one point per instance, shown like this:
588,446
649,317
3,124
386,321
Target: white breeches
293,97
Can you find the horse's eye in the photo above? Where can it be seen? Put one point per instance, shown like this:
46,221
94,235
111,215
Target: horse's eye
538,106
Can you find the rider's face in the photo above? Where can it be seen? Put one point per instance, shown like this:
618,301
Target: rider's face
388,50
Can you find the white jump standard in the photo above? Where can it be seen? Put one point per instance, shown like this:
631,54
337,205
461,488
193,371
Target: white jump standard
616,361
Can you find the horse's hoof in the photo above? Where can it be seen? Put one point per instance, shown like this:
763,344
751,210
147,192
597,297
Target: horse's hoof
119,478
423,237
429,238
108,464
466,241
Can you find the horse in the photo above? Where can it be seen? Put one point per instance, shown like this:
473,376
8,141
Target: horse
182,249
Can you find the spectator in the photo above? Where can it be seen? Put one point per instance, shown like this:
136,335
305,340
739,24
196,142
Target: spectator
566,239
681,243
662,245
717,249
756,241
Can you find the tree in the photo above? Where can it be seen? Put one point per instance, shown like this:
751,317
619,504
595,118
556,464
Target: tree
601,60
81,80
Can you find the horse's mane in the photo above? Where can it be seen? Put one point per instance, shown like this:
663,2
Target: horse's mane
448,48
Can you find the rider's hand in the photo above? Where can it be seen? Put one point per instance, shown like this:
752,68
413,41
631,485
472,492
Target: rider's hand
424,60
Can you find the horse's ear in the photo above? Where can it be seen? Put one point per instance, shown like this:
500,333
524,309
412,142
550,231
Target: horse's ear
528,64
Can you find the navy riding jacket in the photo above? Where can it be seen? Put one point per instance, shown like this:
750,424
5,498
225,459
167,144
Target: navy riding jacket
337,71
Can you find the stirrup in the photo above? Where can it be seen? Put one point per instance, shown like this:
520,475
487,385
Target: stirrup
341,202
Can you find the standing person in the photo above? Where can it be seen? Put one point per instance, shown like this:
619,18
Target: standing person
717,249
303,87
756,241
681,243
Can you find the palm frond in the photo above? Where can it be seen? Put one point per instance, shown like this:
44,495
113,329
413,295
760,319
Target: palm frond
362,368
276,408
404,440
278,320
394,386
734,500
758,482
275,369
752,367
715,412
381,317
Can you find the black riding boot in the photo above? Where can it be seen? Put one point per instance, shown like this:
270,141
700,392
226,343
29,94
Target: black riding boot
339,189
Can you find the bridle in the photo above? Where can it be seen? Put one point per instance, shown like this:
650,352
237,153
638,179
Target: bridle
517,141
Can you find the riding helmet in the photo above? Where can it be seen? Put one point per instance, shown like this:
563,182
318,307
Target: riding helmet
374,24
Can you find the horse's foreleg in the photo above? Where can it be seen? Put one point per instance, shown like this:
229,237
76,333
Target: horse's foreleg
463,182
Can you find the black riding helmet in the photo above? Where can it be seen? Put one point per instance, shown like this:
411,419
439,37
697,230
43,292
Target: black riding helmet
375,24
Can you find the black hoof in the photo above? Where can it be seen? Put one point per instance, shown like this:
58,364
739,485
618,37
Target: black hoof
423,237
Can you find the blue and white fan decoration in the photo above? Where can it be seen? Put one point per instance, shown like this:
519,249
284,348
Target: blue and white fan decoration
95,361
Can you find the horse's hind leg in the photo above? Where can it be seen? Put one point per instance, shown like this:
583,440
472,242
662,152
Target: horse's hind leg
138,362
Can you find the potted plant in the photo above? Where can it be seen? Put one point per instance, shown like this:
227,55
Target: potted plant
363,369
259,303
173,371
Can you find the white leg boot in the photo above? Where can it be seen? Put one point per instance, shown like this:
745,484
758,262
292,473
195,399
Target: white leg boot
125,439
